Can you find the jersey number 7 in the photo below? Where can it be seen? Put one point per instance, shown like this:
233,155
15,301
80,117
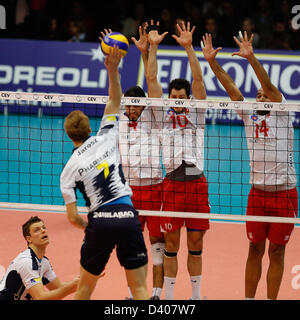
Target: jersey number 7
104,165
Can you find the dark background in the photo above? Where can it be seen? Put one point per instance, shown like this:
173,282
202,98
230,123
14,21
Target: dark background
80,21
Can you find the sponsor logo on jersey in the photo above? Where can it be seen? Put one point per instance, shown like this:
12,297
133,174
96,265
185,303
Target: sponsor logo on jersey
111,118
117,214
170,112
36,280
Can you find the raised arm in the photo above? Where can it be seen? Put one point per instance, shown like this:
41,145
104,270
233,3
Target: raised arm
209,54
246,51
154,38
185,40
112,62
143,44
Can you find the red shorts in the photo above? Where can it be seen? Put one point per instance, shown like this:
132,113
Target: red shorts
280,204
148,198
185,196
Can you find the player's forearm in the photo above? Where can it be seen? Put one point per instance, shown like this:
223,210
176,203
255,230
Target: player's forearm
232,90
154,87
198,87
269,89
114,90
152,63
56,294
260,72
78,222
145,56
73,216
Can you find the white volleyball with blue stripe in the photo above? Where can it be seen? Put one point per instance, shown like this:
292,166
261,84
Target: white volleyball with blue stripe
115,38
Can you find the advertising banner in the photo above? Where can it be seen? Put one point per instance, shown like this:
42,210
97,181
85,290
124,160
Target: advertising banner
78,68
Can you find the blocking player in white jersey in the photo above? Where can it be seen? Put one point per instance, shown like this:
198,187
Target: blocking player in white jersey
270,137
184,187
30,273
95,169
141,161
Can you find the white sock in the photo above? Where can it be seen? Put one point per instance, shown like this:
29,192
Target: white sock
249,298
196,283
169,287
156,292
130,294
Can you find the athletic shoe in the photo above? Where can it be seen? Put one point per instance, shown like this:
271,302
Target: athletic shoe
154,298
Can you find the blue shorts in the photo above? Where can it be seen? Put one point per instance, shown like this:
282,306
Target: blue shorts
109,227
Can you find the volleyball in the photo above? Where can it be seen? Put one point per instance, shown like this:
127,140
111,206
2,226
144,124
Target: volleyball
114,38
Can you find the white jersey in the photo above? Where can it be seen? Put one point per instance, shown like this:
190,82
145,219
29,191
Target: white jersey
140,149
270,141
24,272
95,169
182,137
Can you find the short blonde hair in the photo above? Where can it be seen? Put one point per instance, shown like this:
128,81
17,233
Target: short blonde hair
77,125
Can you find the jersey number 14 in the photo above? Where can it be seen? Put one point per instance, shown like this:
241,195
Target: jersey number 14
262,129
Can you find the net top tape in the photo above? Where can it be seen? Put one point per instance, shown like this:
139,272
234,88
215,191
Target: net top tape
195,215
154,102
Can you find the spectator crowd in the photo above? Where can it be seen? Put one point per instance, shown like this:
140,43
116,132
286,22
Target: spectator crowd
81,21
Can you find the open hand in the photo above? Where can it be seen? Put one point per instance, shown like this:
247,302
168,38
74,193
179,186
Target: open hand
143,43
209,52
103,34
185,34
245,45
153,36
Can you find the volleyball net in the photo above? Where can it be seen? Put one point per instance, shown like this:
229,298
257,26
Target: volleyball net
34,148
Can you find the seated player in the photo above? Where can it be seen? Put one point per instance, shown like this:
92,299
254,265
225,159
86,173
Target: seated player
30,275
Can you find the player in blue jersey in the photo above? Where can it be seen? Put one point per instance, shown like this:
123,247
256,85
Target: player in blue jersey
95,169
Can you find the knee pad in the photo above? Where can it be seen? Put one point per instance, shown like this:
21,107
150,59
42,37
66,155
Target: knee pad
169,254
157,251
195,253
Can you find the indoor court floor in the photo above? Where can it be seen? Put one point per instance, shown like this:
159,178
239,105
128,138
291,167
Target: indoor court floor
224,257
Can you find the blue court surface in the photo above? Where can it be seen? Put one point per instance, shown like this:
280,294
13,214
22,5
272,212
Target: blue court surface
34,150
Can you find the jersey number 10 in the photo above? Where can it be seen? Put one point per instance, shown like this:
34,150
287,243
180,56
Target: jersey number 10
177,119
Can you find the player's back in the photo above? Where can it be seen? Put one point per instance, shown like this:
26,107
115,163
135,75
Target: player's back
95,169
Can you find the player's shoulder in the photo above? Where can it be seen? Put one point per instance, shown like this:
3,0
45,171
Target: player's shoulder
108,123
23,259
